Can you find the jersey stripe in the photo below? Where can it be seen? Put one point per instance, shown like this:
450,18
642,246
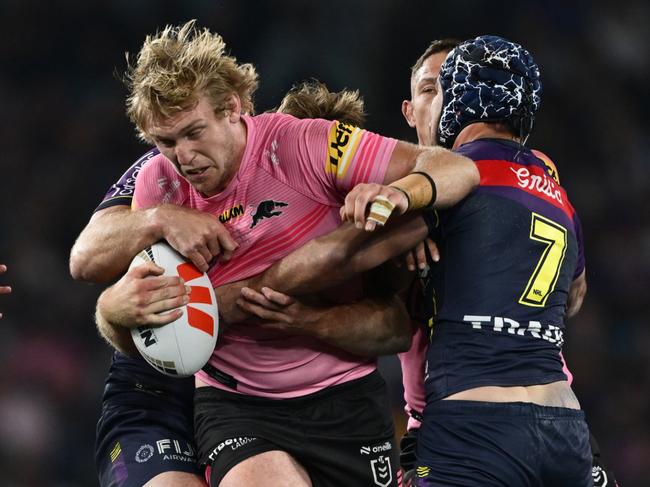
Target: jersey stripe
270,246
530,179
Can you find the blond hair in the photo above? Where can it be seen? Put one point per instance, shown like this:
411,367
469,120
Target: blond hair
312,99
177,66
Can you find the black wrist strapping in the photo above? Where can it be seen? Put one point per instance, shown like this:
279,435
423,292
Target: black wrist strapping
434,191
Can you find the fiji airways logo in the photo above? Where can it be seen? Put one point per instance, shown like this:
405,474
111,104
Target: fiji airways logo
539,183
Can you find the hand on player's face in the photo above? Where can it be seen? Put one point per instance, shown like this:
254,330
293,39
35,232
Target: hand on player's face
143,296
4,289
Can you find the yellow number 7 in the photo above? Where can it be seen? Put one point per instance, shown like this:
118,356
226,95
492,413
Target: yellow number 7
543,280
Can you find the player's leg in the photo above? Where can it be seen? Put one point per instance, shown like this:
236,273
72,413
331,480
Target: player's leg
349,435
243,439
145,434
268,469
176,479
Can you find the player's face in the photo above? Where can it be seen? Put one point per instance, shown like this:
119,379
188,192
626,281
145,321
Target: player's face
423,89
206,147
435,111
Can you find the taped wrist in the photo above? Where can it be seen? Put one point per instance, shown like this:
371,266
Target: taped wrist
419,188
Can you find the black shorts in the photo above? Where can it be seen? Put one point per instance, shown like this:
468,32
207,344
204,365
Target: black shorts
142,433
473,443
342,435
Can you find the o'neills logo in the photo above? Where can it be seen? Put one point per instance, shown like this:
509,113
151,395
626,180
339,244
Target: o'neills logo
539,183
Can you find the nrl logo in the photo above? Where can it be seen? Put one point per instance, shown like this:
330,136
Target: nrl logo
381,471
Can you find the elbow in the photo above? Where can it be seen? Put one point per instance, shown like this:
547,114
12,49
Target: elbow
82,268
78,266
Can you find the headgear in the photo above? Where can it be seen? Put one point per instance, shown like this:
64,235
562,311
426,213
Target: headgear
488,79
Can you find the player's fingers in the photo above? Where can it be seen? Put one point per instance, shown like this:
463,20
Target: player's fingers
198,260
228,244
165,306
433,250
360,208
347,210
262,312
421,256
164,282
410,260
3,268
5,289
277,297
259,299
145,270
160,319
380,210
177,290
214,248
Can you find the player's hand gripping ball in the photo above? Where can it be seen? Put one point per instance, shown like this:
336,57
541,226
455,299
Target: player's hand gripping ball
180,348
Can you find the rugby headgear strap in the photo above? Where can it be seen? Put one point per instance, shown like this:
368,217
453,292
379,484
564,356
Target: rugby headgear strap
488,79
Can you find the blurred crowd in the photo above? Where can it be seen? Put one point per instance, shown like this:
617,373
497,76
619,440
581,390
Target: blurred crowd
65,139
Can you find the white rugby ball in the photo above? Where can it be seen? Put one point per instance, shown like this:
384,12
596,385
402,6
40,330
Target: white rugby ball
180,348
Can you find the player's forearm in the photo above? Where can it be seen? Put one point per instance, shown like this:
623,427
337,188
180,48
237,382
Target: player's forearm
368,328
116,336
105,248
336,257
317,265
577,293
455,176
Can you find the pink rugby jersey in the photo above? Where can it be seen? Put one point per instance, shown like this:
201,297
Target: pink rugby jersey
293,178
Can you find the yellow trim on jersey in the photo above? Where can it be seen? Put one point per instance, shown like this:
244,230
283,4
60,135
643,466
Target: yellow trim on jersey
342,143
115,452
550,165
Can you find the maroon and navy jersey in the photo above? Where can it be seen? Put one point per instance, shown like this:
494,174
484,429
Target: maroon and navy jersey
510,252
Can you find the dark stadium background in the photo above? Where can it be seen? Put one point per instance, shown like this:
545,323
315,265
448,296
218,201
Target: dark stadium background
65,138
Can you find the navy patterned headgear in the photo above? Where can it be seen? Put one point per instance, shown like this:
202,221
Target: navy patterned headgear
488,79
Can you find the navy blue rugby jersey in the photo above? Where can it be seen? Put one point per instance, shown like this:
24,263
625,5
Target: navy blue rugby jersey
132,380
128,374
121,192
510,252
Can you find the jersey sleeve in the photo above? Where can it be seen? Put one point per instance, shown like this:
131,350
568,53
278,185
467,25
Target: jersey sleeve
159,183
332,157
121,192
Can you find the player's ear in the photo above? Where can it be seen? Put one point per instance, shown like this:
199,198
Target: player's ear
233,108
407,111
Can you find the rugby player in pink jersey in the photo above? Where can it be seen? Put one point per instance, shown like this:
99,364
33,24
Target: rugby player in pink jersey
289,177
139,405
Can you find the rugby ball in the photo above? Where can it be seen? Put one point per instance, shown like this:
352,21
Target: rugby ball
180,348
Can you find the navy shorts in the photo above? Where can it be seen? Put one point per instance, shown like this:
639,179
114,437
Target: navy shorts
342,435
143,432
472,443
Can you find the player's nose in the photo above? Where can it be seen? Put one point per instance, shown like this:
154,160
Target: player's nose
183,154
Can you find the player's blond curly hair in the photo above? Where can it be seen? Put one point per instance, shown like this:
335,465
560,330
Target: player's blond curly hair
312,99
178,65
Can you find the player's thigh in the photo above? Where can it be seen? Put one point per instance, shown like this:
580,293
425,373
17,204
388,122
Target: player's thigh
176,479
268,469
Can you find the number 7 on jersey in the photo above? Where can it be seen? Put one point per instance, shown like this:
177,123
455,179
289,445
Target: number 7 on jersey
545,275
